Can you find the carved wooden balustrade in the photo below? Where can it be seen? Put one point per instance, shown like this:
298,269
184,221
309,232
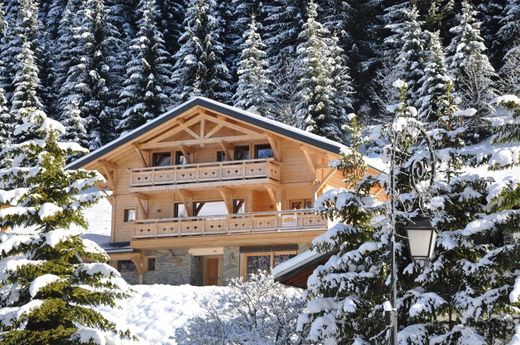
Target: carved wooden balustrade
293,220
220,173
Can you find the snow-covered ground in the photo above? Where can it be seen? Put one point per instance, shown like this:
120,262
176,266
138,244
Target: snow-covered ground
155,312
99,217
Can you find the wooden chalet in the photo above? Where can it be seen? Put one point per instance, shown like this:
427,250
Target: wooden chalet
208,192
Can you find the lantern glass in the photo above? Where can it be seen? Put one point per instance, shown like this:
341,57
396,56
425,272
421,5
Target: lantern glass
421,237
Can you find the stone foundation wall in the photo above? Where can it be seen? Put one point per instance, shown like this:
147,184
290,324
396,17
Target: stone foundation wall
174,267
231,267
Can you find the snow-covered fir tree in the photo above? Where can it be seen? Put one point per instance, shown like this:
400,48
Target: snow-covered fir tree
25,96
254,84
50,278
411,40
436,83
509,31
319,109
510,71
343,293
469,292
169,22
147,86
22,25
93,79
6,126
199,68
469,65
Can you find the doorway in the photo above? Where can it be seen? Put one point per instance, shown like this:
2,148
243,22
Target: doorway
213,270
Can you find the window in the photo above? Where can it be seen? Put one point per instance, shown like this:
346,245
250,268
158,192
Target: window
161,159
179,211
263,151
130,215
239,206
241,153
300,204
125,266
151,264
221,156
180,159
265,261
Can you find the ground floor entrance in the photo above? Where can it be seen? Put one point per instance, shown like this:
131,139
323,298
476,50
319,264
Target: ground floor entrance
213,270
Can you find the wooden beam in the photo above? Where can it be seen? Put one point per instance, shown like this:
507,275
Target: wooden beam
214,131
275,146
202,131
186,152
187,129
325,179
171,131
139,263
140,153
184,195
178,143
227,149
226,195
275,196
109,176
142,208
108,164
142,196
309,161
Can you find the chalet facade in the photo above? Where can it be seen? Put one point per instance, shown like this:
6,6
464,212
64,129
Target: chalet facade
207,192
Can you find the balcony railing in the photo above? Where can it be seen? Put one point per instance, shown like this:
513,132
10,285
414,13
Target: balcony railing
294,220
229,172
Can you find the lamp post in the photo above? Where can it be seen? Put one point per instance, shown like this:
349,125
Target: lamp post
421,234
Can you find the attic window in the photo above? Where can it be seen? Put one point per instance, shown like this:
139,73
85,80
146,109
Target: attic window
161,159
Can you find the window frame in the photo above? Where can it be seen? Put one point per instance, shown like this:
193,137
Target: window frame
238,147
263,146
154,154
126,213
244,256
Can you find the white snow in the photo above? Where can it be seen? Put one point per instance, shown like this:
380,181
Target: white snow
49,210
155,312
514,296
40,282
99,217
56,236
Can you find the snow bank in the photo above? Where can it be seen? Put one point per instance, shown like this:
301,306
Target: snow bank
155,312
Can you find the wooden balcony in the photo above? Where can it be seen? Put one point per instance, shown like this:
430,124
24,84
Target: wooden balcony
279,221
204,175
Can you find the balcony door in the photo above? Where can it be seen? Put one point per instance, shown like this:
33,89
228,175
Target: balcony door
161,159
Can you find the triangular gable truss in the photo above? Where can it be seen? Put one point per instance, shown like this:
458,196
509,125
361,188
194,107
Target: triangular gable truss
203,128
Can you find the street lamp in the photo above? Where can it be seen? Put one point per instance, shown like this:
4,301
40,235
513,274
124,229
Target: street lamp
421,238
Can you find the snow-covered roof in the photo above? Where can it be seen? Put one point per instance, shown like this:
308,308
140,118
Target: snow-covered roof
239,114
104,242
296,262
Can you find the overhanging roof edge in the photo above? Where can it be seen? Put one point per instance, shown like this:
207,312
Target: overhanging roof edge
238,114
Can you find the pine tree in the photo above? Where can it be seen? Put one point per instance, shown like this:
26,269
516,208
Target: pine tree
147,87
22,26
510,71
469,290
284,21
318,111
50,277
93,79
26,85
469,65
254,86
5,126
199,64
509,31
412,56
436,84
169,23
